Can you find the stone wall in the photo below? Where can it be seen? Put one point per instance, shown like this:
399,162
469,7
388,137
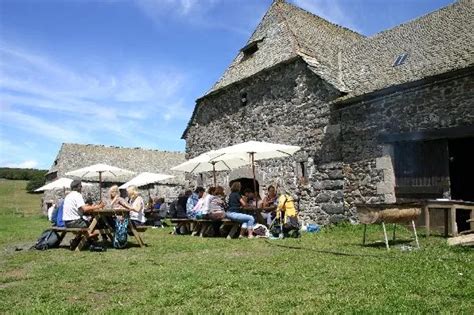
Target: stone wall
287,104
368,168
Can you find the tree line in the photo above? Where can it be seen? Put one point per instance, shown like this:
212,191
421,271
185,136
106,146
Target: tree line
36,178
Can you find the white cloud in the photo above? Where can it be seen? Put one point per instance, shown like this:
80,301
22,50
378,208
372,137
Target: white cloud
49,103
33,81
24,164
240,17
331,10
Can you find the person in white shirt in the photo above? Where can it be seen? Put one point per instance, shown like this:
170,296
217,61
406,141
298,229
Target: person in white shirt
137,214
75,208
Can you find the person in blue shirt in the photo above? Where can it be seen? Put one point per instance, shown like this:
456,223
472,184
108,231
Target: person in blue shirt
234,213
192,201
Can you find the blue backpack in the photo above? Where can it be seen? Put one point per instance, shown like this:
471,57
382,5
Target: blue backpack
121,233
58,216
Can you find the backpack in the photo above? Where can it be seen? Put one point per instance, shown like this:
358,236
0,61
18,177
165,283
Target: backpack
58,215
121,233
48,239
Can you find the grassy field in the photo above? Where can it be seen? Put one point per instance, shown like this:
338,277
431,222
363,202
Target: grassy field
325,272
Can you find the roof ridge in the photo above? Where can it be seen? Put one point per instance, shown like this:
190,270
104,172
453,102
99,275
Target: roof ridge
295,7
117,147
419,18
293,36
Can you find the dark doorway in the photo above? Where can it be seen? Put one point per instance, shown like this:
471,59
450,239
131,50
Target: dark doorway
245,183
461,173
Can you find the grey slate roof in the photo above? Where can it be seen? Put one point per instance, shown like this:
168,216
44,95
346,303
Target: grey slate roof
439,42
286,32
74,156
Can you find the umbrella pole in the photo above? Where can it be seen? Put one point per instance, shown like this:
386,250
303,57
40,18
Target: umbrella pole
254,180
214,173
100,186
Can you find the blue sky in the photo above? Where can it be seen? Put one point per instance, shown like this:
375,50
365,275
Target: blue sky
127,73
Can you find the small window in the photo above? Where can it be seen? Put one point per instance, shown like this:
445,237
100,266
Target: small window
250,48
303,173
400,60
303,170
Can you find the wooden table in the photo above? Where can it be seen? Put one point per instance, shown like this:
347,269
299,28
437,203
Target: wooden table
101,216
449,207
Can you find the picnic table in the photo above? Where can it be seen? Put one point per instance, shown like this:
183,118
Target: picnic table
449,207
101,225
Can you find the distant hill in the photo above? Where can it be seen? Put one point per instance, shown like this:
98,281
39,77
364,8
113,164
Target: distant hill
34,176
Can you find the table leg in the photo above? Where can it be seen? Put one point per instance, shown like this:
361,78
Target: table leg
85,237
472,220
446,224
136,234
427,221
233,230
385,235
414,232
394,228
454,225
365,231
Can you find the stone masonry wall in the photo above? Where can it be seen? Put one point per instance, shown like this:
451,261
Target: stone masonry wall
287,104
368,168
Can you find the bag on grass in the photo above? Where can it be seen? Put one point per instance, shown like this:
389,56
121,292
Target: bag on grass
121,233
48,239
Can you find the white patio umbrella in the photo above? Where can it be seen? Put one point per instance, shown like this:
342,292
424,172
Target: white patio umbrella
145,178
210,162
61,183
254,151
100,170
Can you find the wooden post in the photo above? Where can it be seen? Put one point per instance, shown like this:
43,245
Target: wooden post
100,186
214,173
385,235
427,220
446,223
414,232
365,230
253,171
454,225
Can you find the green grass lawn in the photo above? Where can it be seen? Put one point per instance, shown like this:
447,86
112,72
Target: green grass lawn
325,272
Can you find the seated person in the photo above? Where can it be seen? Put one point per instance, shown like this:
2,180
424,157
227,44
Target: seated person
206,203
159,214
136,203
234,213
115,201
156,204
192,202
178,207
286,211
74,208
270,202
217,204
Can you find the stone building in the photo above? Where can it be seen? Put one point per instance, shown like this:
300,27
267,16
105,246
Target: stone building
74,156
380,119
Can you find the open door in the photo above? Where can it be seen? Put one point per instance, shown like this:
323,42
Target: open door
461,174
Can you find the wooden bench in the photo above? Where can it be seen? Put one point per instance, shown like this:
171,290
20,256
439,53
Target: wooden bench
202,226
76,231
